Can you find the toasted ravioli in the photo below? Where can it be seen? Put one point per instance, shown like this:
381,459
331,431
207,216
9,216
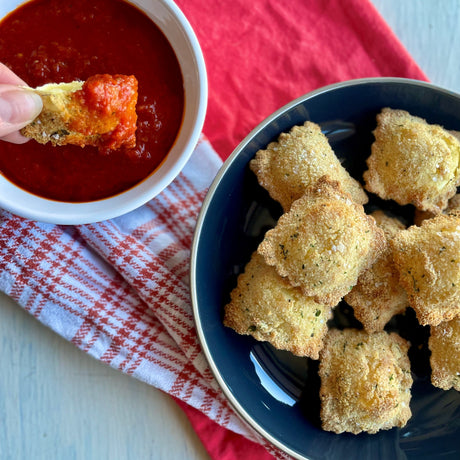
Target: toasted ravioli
323,243
455,134
365,381
444,343
99,112
266,306
428,261
420,216
297,160
453,205
413,162
378,296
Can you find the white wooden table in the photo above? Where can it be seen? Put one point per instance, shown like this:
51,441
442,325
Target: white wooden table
58,403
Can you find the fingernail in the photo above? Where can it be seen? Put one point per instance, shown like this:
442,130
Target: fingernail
19,106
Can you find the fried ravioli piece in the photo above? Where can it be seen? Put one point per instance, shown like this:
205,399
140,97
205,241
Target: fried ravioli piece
378,296
323,243
265,306
365,381
452,206
444,343
413,162
99,112
428,261
455,134
297,160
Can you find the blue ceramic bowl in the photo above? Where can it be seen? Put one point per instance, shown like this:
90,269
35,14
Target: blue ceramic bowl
274,391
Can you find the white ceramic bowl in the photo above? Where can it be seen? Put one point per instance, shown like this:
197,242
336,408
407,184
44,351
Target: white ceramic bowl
167,16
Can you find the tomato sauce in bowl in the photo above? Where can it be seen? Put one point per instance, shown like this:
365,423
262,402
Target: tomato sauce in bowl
46,41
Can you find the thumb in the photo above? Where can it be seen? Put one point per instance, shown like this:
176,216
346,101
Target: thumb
17,108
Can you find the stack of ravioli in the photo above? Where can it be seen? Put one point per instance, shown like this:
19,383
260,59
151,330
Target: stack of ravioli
325,249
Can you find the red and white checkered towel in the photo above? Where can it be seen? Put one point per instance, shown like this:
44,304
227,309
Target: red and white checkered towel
119,289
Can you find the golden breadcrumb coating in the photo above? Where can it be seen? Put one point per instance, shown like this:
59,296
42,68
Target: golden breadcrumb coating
323,243
455,134
444,343
413,162
267,307
365,381
420,216
391,226
428,261
452,205
378,296
99,112
287,167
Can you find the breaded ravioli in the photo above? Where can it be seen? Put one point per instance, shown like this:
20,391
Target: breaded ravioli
428,261
323,243
413,162
267,307
453,205
297,160
99,112
378,296
365,381
444,343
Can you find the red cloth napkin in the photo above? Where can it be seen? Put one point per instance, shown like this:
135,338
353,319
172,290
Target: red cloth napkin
119,289
262,54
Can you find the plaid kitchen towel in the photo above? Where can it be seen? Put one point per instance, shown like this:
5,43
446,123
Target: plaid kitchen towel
119,289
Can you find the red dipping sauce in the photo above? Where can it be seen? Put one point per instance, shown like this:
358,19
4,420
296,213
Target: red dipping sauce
53,41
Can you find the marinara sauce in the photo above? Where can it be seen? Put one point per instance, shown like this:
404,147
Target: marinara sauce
53,41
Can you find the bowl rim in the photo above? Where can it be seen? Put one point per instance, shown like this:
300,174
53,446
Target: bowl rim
238,408
28,205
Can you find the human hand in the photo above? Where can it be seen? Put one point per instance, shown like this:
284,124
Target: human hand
18,107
